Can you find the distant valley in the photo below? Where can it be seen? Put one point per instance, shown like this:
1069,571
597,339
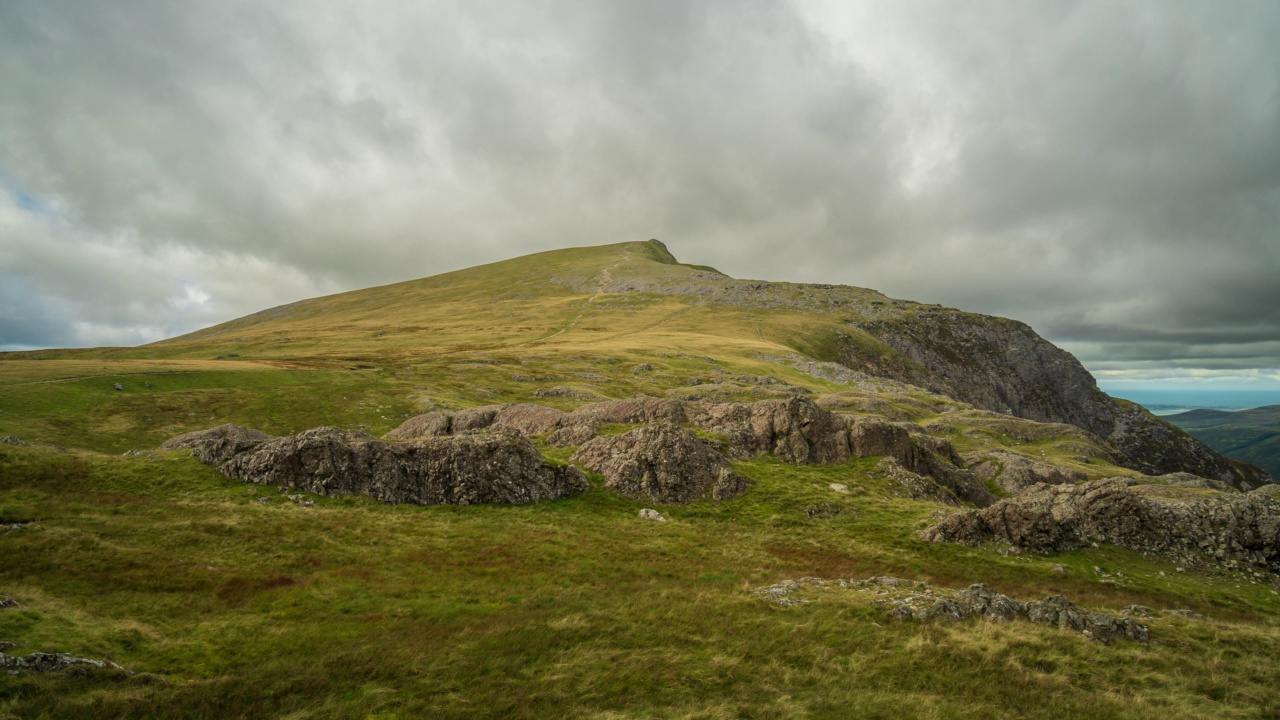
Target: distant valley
1252,436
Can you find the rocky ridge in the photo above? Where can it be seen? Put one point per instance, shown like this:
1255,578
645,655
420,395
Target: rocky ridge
663,462
1231,529
916,600
494,466
797,430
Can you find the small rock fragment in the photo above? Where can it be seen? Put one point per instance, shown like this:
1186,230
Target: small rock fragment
650,514
840,488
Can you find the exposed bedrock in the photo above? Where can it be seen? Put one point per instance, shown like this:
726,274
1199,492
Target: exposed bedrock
1016,472
1004,366
1226,528
217,445
795,429
662,462
496,466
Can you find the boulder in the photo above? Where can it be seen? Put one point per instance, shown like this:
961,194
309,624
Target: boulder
874,437
1182,479
217,445
663,463
1230,529
1058,611
796,429
1016,472
571,436
499,466
432,424
530,419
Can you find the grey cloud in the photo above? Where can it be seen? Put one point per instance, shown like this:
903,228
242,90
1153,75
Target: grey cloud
1107,171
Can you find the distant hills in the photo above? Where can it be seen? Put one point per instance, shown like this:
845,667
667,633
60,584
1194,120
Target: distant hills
1252,436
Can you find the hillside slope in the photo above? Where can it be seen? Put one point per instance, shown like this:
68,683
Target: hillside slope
1250,436
799,443
618,298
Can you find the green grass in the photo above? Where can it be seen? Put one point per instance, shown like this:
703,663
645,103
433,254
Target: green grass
568,609
230,607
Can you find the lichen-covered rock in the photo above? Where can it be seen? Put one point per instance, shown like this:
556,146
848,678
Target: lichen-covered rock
918,602
571,436
1058,611
1016,472
432,424
49,662
629,412
991,604
1181,479
874,437
1229,528
499,466
796,429
217,445
477,418
530,419
662,462
932,457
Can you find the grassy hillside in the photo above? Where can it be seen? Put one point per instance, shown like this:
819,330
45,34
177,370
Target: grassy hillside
230,600
1252,436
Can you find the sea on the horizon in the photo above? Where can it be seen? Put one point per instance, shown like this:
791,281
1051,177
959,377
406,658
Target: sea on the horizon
1172,402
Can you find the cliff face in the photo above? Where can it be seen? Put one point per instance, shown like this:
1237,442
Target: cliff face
1004,366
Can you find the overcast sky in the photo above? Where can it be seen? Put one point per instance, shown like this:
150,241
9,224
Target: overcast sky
1107,171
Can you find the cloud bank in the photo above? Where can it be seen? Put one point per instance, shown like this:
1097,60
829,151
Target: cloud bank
1106,171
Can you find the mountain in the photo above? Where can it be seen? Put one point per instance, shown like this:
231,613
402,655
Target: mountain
598,482
619,298
1251,436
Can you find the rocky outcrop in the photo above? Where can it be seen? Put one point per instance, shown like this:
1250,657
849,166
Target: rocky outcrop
1004,366
1016,472
217,445
662,462
50,662
795,429
498,466
1181,479
1229,529
432,424
914,600
1154,447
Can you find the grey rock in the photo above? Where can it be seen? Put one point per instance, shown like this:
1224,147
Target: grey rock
571,436
1231,529
1182,479
217,445
498,466
11,440
1016,472
432,424
651,514
7,603
1058,611
991,604
662,462
840,488
117,386
49,662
